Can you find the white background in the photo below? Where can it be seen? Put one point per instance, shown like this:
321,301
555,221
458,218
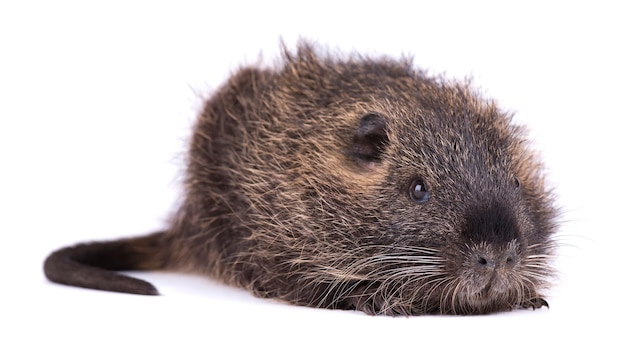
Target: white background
96,102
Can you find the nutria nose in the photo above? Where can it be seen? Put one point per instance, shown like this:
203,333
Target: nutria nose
495,259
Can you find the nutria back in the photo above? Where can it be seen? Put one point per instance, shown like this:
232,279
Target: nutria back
351,183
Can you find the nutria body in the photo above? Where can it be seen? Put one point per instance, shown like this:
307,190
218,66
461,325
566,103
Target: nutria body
352,183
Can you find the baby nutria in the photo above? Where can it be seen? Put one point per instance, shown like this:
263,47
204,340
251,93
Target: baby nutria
348,183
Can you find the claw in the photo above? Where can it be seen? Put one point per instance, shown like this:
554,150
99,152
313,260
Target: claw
535,303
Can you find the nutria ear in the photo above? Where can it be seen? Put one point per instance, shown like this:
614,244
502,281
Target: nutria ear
370,139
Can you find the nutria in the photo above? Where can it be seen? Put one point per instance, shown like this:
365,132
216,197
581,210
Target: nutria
349,182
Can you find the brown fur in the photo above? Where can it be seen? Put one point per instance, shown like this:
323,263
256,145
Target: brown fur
298,188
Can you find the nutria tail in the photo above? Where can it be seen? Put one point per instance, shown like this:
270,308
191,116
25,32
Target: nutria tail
91,265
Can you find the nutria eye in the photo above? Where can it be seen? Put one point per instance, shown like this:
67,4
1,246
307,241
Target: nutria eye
419,191
516,183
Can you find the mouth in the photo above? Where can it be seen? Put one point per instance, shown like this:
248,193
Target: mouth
481,298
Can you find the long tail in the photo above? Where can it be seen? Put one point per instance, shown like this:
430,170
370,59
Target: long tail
92,265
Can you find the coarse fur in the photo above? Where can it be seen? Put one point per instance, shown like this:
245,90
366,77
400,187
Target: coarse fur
350,183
